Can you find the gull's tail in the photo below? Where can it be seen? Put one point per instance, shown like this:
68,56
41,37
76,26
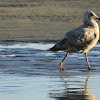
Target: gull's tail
54,48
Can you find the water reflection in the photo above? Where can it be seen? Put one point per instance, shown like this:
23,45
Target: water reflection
75,88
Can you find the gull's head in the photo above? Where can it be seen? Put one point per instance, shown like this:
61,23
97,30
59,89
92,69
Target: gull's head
89,17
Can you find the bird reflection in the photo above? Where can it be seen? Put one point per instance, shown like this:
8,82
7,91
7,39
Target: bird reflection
73,93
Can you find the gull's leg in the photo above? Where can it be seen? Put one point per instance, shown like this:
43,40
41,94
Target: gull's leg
87,61
61,67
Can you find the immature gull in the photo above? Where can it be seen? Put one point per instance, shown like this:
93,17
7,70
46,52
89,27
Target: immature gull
81,39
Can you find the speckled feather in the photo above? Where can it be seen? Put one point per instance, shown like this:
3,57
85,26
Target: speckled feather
80,39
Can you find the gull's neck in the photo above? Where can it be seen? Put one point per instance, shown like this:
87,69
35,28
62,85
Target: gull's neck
91,23
94,25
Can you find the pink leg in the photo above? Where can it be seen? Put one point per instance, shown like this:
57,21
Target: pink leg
87,61
61,67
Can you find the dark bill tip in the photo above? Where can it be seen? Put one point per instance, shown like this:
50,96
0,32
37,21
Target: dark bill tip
98,18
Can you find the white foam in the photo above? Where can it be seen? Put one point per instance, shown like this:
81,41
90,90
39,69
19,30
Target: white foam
41,46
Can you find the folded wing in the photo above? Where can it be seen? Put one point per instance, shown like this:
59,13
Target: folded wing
75,40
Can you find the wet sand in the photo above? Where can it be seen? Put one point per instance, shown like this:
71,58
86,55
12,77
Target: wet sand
28,71
41,20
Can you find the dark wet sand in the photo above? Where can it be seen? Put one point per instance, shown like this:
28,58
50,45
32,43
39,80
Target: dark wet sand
41,20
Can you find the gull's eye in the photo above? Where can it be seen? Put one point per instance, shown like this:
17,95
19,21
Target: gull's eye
91,14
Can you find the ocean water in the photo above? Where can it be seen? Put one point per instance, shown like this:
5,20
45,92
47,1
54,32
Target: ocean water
29,72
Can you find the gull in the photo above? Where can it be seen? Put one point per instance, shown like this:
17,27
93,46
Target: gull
81,39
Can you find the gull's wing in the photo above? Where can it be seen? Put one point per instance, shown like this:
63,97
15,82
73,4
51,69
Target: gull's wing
75,40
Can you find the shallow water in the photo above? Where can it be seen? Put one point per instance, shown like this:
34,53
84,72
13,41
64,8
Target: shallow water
29,72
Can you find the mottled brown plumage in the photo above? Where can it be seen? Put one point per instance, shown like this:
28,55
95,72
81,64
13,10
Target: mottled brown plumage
81,39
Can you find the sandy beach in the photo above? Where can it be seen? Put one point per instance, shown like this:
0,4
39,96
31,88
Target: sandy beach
28,28
41,20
